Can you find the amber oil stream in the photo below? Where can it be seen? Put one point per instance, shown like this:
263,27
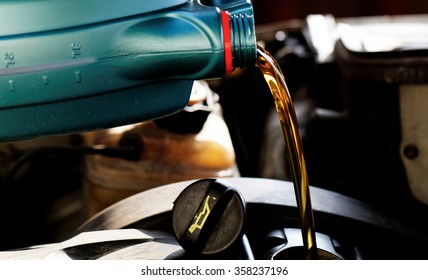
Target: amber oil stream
290,129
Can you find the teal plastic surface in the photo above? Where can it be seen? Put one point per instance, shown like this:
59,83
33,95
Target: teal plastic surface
78,65
29,16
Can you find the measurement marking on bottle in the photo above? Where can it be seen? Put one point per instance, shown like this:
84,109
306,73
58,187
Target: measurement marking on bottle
9,58
45,80
11,85
78,76
75,49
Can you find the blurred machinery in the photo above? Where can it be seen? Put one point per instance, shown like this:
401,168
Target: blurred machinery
192,144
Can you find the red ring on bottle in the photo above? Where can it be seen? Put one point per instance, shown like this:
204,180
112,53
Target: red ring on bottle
227,41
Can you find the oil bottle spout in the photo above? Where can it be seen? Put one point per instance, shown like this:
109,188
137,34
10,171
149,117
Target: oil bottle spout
242,26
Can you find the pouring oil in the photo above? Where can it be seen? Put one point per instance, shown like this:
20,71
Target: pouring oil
290,130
